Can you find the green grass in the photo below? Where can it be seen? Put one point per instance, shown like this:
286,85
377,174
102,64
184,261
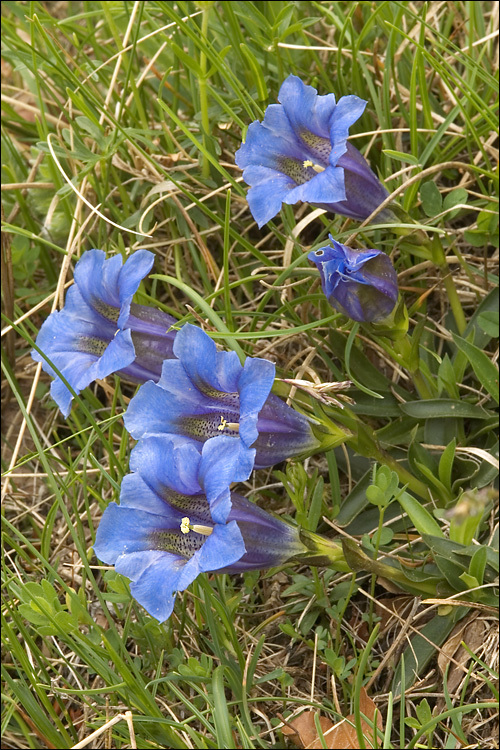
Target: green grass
144,104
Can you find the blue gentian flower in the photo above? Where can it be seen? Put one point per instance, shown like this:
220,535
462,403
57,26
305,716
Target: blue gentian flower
300,153
177,519
100,330
362,284
205,393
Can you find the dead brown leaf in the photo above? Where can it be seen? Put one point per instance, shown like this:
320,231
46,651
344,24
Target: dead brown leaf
303,733
471,632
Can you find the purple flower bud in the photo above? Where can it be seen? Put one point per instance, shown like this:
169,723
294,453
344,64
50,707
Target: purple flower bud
362,284
300,153
100,331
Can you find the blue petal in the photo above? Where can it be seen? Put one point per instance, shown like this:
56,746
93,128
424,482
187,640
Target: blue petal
76,306
119,353
59,340
62,396
222,548
304,108
136,493
265,199
220,466
325,186
167,461
155,575
108,281
154,410
203,364
348,110
135,268
125,530
267,142
255,385
97,277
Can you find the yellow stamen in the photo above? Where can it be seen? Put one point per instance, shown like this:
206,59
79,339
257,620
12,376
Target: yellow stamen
205,530
316,167
186,527
222,425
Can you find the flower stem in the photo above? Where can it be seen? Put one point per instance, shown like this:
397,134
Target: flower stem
410,359
322,551
439,258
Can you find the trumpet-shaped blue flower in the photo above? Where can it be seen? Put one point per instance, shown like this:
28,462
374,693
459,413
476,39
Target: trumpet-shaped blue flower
177,519
362,284
100,330
300,153
205,393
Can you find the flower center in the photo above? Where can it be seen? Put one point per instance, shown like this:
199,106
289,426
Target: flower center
196,505
230,399
320,147
177,542
299,171
209,425
316,167
107,311
187,526
92,345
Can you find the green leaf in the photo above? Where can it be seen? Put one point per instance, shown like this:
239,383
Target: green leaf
399,156
316,505
186,59
485,370
488,322
476,238
447,378
92,129
439,408
420,517
478,564
431,198
455,198
446,464
258,77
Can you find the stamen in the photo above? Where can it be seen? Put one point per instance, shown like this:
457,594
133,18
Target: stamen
230,425
316,167
205,530
186,527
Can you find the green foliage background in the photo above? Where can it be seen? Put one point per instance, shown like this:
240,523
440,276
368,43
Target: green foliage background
143,105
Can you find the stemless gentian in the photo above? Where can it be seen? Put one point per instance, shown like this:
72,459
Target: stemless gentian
204,393
362,284
300,153
100,330
177,518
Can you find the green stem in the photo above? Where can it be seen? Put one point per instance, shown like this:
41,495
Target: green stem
322,551
439,258
404,353
205,120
